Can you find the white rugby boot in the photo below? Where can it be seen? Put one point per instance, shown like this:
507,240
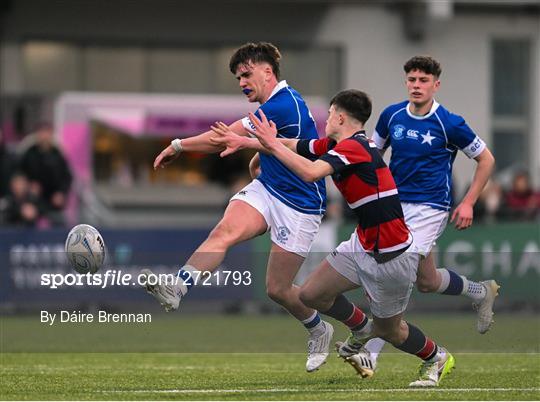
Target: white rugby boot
318,348
485,306
431,373
168,295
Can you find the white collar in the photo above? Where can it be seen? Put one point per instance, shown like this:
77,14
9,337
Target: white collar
431,111
280,85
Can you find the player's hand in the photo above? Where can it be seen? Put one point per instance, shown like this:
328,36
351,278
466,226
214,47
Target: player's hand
463,216
166,156
265,130
227,138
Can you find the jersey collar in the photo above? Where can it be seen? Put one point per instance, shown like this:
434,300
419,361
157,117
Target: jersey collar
280,85
432,110
361,133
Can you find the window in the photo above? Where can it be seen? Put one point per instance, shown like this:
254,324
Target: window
511,80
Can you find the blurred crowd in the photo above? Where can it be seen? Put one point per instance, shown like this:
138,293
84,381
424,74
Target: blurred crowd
516,201
519,202
35,180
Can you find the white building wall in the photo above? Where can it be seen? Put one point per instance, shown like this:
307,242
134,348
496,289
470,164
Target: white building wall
376,49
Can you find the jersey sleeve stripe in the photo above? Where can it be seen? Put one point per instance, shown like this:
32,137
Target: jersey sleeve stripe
312,146
373,197
343,158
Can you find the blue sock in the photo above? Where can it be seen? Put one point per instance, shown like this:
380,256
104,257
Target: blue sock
186,277
451,283
314,324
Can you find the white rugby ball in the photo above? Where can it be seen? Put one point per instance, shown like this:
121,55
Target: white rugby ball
85,249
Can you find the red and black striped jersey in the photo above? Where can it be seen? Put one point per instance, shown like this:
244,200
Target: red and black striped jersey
365,181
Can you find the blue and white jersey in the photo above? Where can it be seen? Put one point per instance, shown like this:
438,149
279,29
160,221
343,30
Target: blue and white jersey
423,151
286,108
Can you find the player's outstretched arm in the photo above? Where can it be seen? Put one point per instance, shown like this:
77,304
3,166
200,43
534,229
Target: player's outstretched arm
226,137
266,131
200,143
463,214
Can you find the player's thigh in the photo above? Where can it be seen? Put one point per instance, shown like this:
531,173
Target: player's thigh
325,283
389,285
240,222
246,216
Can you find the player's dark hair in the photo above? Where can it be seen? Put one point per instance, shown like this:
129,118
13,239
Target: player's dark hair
260,52
353,102
426,64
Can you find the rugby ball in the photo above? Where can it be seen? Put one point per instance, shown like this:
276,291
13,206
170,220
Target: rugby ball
85,249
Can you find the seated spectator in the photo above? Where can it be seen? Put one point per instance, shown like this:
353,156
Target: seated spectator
522,202
21,207
48,172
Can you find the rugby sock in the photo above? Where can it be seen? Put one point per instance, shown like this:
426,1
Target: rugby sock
474,290
420,345
451,283
314,324
374,347
350,315
186,278
455,285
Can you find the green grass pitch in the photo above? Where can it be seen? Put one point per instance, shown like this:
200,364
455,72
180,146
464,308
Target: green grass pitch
209,357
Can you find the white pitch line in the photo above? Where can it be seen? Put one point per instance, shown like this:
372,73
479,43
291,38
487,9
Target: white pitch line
232,391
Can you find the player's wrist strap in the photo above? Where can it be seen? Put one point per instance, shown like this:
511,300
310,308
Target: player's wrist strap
177,145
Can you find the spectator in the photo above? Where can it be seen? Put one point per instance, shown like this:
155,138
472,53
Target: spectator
21,207
522,202
48,172
7,164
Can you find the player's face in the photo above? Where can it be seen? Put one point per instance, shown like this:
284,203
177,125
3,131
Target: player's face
333,122
253,79
421,87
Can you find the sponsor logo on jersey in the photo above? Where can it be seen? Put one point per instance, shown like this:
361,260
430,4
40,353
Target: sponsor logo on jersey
412,134
283,234
242,192
398,131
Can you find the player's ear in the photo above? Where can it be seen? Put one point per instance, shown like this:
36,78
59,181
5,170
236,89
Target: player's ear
268,72
437,84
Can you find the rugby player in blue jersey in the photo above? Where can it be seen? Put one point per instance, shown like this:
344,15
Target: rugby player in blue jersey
425,138
278,200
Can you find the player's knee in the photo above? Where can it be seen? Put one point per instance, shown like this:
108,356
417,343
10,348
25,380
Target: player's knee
307,297
313,299
425,285
277,294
